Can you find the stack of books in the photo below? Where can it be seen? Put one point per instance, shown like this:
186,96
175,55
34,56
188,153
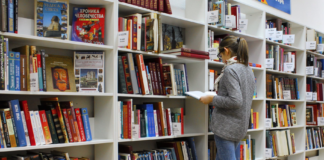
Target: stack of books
282,142
276,86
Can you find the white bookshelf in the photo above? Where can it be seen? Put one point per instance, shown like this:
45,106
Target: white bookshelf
102,108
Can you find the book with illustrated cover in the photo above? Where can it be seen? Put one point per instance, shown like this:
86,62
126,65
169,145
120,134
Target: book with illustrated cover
52,18
89,71
88,25
60,76
173,37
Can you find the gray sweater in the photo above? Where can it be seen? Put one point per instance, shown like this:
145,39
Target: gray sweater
230,118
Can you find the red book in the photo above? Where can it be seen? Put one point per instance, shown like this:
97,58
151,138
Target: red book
182,121
167,7
318,91
185,54
234,10
142,3
151,4
80,124
127,75
254,120
147,4
159,122
24,107
159,69
161,5
241,151
46,130
152,78
120,24
155,5
122,0
3,158
188,50
67,123
74,127
158,89
134,2
138,2
129,118
129,1
125,121
134,32
168,122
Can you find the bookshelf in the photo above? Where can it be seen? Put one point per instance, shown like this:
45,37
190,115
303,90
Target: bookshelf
102,108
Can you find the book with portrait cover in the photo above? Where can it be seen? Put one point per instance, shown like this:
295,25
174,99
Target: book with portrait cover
88,25
52,18
89,71
59,74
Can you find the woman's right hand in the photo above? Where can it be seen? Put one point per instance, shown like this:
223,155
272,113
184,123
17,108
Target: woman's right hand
206,99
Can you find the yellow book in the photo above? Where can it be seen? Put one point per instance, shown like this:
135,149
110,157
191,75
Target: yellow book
246,151
11,131
257,120
252,118
285,118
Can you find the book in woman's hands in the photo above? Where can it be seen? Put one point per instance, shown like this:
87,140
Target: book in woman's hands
198,94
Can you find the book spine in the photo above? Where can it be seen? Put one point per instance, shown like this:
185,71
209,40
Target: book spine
129,119
67,124
146,124
51,127
161,5
168,122
61,120
2,138
23,75
134,35
10,21
86,124
147,4
134,2
142,3
57,125
125,122
17,120
142,73
132,73
5,129
155,5
6,63
46,129
76,124
44,70
127,75
129,1
138,2
40,71
167,6
153,80
3,16
25,109
80,124
39,128
151,4
2,67
156,127
17,71
12,71
11,131
73,129
16,16
122,88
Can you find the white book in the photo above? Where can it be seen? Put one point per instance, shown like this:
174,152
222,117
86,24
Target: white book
25,127
35,128
33,78
172,88
40,128
284,142
211,79
275,89
199,94
156,124
289,142
170,121
184,150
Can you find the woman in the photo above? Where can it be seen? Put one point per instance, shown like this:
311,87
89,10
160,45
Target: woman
235,86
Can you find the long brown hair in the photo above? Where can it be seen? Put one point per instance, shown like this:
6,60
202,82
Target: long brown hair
238,47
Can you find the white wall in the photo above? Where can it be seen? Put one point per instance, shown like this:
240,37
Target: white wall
305,12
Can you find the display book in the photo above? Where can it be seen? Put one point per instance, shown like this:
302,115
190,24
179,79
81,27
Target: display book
312,35
180,148
32,155
153,119
150,76
316,88
278,87
285,27
313,112
315,64
282,115
156,5
54,122
282,142
280,57
9,16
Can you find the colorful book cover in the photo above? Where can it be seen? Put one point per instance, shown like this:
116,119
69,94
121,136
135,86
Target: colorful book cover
5,129
40,72
67,124
15,109
22,113
52,18
10,17
39,127
10,128
88,25
89,71
86,124
46,129
17,71
11,61
80,124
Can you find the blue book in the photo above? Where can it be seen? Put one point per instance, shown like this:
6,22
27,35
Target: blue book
17,71
11,68
15,113
149,118
121,120
320,41
297,91
162,155
208,154
86,124
10,17
191,143
271,144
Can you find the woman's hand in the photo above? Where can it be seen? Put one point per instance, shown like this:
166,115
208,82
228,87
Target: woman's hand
206,99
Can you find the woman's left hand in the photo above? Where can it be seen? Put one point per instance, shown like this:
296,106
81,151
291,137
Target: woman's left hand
206,99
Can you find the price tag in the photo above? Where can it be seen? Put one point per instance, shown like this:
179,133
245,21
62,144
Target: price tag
213,16
268,153
320,48
286,94
289,67
320,121
213,52
123,38
278,35
311,45
228,21
135,131
316,72
309,70
268,123
314,96
269,63
33,77
176,129
290,38
271,33
243,23
309,96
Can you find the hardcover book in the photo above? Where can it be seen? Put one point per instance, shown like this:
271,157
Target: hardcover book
16,115
88,25
173,37
86,124
89,71
52,18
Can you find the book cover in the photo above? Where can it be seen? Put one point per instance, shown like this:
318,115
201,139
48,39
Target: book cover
5,129
86,124
22,113
51,127
51,19
10,126
80,124
46,129
74,125
59,74
39,128
173,37
19,131
67,124
10,12
11,69
88,25
89,71
17,71
35,129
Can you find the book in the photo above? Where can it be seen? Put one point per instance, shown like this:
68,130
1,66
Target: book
173,37
2,136
80,124
40,72
51,127
10,126
17,120
68,125
3,18
187,50
51,19
122,88
5,129
35,128
10,18
169,80
86,124
17,71
39,128
88,25
68,105
2,62
24,52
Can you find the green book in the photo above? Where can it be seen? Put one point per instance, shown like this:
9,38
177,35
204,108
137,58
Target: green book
51,126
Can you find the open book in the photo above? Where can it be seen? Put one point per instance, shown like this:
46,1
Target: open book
198,94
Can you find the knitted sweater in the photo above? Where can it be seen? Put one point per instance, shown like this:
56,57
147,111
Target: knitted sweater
230,118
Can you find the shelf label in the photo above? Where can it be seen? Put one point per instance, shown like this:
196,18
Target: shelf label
278,35
212,16
316,72
271,33
243,23
230,21
322,73
213,52
268,123
269,63
135,131
320,48
311,45
176,129
33,77
290,38
320,121
314,96
289,67
309,70
309,96
123,38
286,94
268,152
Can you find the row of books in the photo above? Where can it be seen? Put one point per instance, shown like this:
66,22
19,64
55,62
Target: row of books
53,155
312,35
150,77
279,26
153,120
28,69
280,57
282,115
282,87
156,5
282,142
182,148
314,138
213,44
54,122
316,87
314,65
313,111
254,120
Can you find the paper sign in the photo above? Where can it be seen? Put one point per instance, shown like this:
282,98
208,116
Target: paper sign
278,35
311,45
309,96
135,131
176,129
123,39
213,52
322,73
286,94
243,23
268,123
309,70
212,16
268,153
33,78
271,33
228,21
316,72
289,67
233,21
269,63
320,48
290,38
320,121
314,96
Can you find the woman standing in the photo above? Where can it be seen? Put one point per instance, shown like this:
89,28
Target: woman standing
235,86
